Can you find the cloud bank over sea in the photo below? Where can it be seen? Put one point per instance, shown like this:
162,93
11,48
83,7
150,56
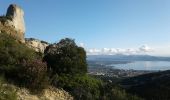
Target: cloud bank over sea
144,49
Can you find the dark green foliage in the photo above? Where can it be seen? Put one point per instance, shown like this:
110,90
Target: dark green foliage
89,88
44,42
81,87
67,69
4,17
20,64
67,63
112,91
66,57
153,86
12,53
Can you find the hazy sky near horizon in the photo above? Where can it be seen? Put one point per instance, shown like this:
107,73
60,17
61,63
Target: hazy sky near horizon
112,26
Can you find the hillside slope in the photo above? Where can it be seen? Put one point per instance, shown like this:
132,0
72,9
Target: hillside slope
12,92
153,86
16,81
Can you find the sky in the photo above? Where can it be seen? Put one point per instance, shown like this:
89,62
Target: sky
100,26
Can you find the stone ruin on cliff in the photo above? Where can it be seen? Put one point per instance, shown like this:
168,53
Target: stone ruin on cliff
13,22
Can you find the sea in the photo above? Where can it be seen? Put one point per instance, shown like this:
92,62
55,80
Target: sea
143,65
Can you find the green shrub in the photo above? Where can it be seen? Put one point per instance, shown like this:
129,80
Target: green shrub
66,57
12,53
67,65
3,19
21,64
120,94
112,91
81,87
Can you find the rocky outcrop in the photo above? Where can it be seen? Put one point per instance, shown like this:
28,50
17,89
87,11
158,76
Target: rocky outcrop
13,23
50,93
17,17
36,44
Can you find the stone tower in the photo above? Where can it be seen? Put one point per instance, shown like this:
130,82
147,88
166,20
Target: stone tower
16,14
13,23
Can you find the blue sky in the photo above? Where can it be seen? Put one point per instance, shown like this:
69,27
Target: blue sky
99,23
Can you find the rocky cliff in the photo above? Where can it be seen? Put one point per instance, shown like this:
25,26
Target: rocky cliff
13,22
36,44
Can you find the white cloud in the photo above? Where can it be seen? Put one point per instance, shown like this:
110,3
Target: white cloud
94,51
144,49
105,50
113,50
131,51
81,45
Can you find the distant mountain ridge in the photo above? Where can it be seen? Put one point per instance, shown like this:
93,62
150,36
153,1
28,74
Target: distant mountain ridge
127,58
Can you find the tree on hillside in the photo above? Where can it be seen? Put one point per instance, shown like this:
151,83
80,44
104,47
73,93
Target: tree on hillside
66,57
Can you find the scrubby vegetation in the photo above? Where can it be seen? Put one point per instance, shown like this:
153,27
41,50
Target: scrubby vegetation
33,74
21,65
4,18
153,86
67,65
6,92
66,57
63,66
68,70
81,87
115,92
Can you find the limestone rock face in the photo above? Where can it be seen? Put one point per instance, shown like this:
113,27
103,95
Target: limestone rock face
17,17
36,44
13,23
